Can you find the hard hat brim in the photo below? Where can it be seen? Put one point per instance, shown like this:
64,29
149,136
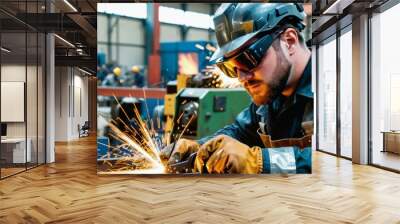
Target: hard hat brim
232,48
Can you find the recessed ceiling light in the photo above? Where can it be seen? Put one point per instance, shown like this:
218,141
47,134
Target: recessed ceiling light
70,5
5,50
84,71
65,41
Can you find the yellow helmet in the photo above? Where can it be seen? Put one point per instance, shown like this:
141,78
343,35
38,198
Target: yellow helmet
117,71
135,69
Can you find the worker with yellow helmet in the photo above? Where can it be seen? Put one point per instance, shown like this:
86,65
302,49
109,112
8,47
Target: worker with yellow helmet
133,78
113,79
135,69
117,71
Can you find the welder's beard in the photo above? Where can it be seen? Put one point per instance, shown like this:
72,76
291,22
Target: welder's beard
265,91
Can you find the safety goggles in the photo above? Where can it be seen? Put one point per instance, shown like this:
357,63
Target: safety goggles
248,59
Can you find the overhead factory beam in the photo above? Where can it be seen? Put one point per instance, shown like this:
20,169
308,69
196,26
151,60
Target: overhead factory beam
156,93
184,29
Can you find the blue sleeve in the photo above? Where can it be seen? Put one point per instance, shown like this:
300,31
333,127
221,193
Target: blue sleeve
244,129
303,160
287,160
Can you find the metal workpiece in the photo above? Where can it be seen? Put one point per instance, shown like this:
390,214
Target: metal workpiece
186,166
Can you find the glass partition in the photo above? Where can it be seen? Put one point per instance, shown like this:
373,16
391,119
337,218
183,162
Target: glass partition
13,95
346,93
385,89
327,96
22,88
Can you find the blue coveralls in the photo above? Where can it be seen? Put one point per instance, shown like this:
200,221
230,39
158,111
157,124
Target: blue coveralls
280,119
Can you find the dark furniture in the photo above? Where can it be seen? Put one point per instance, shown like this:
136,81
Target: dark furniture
391,141
84,130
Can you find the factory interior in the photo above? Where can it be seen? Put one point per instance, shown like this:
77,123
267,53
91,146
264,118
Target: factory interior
70,68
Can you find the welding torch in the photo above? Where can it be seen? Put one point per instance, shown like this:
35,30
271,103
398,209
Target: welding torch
187,165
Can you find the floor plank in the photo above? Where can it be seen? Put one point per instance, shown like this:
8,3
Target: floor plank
69,191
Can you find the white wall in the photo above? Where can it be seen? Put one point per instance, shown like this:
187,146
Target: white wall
129,56
61,103
197,34
199,7
172,5
71,102
170,33
102,33
131,39
131,31
80,110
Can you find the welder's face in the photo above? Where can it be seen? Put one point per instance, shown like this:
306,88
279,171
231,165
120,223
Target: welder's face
267,80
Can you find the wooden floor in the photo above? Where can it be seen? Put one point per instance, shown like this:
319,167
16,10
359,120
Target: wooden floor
69,191
10,171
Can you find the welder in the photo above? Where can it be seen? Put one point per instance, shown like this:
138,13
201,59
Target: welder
261,44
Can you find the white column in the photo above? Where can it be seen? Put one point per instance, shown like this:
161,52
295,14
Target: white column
62,107
360,90
50,101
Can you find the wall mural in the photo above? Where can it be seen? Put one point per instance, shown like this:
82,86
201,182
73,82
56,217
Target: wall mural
231,96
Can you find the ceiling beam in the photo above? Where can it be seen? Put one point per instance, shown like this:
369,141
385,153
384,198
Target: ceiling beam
89,30
78,61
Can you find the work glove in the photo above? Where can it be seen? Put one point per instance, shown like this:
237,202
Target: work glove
182,149
223,154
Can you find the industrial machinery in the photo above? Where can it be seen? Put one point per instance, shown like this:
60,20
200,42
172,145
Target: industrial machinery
190,60
201,111
192,56
201,80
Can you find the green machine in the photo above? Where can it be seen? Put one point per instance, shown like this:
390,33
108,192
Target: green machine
202,111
